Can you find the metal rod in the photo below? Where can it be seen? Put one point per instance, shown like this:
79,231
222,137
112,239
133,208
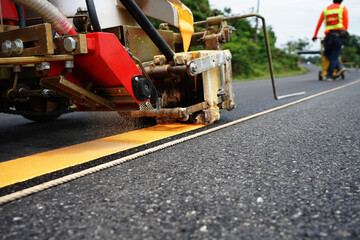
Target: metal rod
149,29
177,113
32,59
164,70
271,68
308,52
1,17
267,44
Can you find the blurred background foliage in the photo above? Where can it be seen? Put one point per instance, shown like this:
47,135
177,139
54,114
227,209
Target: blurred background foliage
351,53
249,56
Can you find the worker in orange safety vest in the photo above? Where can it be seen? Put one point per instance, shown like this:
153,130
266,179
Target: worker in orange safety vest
336,25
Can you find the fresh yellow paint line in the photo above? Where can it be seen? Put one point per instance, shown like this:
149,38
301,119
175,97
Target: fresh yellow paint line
43,186
25,168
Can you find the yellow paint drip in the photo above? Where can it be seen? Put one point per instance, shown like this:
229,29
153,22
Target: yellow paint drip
186,23
22,169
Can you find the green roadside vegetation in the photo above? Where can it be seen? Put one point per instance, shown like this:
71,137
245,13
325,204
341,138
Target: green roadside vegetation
249,58
265,74
351,53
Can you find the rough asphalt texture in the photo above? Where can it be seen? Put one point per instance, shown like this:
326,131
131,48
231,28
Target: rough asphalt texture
292,174
251,97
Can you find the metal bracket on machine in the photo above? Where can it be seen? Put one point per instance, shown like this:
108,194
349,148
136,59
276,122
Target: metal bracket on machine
221,60
75,92
207,63
213,69
30,41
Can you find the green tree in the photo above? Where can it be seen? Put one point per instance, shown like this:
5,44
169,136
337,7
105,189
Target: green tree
297,45
351,51
249,57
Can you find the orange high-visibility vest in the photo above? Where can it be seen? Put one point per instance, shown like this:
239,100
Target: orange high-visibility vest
339,21
334,18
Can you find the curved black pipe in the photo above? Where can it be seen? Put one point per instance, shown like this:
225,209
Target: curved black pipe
21,15
93,16
149,29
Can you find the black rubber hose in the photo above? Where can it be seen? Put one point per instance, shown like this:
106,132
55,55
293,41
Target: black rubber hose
149,29
21,15
93,16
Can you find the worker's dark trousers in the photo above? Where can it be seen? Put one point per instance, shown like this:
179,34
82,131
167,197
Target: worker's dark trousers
333,47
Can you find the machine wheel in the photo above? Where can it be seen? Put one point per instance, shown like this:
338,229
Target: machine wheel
40,109
342,76
42,118
320,76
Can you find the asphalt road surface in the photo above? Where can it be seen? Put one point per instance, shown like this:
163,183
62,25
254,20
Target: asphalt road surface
290,174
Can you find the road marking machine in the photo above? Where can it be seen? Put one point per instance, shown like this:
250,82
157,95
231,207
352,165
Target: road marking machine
92,55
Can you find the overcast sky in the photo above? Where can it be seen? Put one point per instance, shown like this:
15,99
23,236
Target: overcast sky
292,19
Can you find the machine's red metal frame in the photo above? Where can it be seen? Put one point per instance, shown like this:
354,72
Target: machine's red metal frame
107,64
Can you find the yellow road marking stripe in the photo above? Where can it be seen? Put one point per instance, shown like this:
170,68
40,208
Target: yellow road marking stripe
67,178
25,168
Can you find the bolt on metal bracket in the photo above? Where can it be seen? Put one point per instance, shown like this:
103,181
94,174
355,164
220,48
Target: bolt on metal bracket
207,63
